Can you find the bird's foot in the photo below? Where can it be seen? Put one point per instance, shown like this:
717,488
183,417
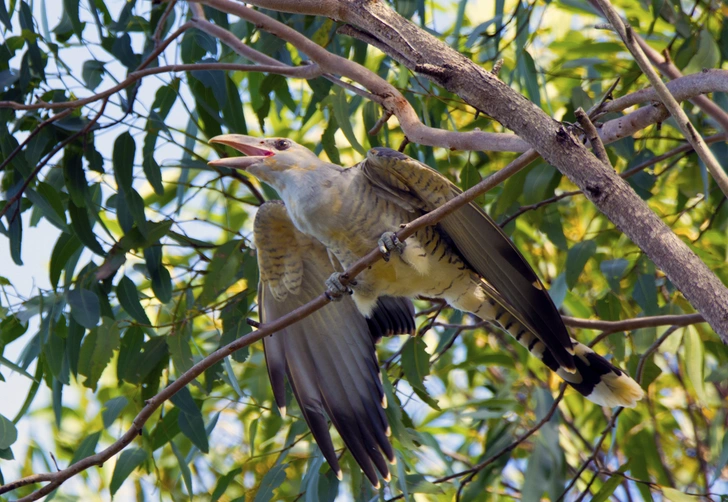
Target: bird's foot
336,289
388,243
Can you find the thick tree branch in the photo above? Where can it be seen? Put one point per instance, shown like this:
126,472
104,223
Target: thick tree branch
428,56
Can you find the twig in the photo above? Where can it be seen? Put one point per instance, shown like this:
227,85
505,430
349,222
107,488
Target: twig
32,135
162,21
306,72
635,323
687,147
593,136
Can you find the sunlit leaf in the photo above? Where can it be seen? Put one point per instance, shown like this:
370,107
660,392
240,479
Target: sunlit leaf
129,460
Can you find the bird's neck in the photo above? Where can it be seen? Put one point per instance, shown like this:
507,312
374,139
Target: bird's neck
314,197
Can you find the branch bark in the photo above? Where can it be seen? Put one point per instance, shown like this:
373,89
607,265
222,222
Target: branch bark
428,56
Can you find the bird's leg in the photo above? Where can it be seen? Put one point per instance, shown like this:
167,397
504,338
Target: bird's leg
389,242
336,288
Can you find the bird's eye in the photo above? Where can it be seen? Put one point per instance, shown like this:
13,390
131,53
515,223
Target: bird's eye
282,144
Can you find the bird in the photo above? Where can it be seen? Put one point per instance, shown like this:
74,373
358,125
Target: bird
327,218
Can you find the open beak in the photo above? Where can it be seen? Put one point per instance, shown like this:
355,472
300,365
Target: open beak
252,147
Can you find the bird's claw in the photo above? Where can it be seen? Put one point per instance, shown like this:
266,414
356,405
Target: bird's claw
388,243
336,289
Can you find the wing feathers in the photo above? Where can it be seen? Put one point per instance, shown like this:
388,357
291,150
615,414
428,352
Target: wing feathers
480,241
329,357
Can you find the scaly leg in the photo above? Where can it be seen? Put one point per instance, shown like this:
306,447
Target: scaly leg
336,289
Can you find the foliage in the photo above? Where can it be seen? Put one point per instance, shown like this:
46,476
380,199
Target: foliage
151,265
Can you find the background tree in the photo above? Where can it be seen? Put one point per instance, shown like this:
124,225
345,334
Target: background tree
107,108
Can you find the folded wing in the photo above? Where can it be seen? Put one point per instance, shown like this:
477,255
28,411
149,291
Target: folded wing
479,240
329,357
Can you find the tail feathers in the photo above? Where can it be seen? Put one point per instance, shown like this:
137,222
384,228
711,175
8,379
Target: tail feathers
595,378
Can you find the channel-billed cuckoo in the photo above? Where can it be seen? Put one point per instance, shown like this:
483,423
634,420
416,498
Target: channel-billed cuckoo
328,218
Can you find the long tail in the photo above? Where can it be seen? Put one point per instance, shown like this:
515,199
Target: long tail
595,378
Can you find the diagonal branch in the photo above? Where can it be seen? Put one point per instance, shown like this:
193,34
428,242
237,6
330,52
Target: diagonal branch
425,54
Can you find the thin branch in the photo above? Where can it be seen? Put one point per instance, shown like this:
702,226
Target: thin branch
383,92
512,446
33,134
306,72
670,70
636,323
627,35
162,21
687,147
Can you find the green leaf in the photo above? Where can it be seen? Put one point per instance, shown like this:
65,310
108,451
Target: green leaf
92,73
70,8
645,293
416,366
179,349
8,433
222,272
75,176
11,328
272,480
161,280
469,177
234,323
328,141
123,157
190,419
96,351
722,459
128,461
166,430
539,183
66,246
707,56
184,468
695,362
52,210
222,484
86,448
613,271
609,308
5,17
674,495
137,359
417,483
128,296
82,228
112,410
85,307
610,485
528,75
341,111
576,259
